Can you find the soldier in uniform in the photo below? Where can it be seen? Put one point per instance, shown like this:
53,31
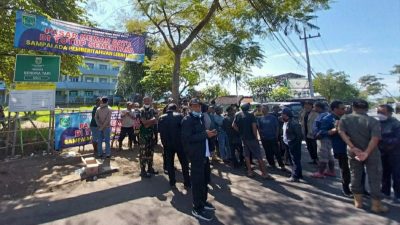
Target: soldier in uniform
148,119
362,134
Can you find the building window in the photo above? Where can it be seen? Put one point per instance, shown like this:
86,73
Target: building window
103,80
116,68
90,65
103,67
114,80
74,79
88,93
89,79
73,93
103,93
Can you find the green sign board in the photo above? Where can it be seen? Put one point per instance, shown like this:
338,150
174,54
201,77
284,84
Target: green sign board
37,68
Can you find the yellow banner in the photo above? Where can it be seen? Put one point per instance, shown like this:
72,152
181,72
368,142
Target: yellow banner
35,86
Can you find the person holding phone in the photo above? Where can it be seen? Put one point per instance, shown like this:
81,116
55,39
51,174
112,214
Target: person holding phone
195,143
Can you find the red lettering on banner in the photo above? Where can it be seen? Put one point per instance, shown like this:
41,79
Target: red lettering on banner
78,133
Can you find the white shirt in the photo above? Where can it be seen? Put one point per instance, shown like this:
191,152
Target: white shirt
207,149
285,140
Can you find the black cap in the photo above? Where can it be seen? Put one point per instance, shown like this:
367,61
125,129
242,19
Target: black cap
194,101
287,112
171,107
245,106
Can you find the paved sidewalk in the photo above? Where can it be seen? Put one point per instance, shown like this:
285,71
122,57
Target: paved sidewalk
238,199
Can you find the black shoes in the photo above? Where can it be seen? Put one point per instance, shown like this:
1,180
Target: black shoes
201,214
144,174
152,171
293,180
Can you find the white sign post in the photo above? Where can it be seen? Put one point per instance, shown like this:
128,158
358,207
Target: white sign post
32,100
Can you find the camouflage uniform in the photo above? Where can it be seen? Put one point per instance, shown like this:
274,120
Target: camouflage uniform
146,140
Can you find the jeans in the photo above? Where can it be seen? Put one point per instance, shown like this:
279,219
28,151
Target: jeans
271,149
169,152
312,148
223,144
295,154
104,135
95,134
391,172
200,176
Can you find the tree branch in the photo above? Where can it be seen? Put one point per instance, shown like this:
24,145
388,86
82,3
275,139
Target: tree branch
157,25
168,26
214,6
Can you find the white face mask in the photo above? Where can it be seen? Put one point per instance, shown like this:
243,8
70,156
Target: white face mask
146,106
381,117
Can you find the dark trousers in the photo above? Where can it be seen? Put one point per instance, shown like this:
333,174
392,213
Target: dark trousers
391,171
126,131
271,149
169,152
239,148
312,148
295,154
343,160
200,176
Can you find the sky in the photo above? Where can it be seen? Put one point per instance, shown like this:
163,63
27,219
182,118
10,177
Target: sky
358,37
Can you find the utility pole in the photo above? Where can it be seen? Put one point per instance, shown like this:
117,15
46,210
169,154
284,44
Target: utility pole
310,82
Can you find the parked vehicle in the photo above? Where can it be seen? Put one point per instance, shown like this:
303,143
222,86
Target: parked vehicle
296,107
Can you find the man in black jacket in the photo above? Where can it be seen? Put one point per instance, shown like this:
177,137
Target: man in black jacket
195,143
292,137
170,128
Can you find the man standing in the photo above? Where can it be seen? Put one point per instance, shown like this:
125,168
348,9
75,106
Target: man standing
326,164
195,141
390,151
103,121
330,126
148,119
307,118
127,119
223,142
93,126
361,134
268,128
170,131
245,123
235,144
292,137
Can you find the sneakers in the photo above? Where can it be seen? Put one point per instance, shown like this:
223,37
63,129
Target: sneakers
208,206
293,180
317,175
201,214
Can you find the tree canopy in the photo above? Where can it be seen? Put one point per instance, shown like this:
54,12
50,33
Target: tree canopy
212,92
371,85
221,34
261,87
335,85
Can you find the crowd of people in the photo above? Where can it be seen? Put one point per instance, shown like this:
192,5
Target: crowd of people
197,133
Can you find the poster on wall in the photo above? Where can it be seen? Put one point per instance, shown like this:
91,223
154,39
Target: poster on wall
72,129
35,32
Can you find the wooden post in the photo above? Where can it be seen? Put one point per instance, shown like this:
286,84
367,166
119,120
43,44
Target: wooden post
15,134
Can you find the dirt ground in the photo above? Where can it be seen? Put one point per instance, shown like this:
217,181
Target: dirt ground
22,177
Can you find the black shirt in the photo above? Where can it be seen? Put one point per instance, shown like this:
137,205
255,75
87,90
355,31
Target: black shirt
306,123
244,121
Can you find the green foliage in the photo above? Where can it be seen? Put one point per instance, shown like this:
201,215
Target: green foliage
280,94
68,10
261,87
335,85
220,34
129,79
212,92
371,85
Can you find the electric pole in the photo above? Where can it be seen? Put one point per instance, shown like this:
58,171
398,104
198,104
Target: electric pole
310,82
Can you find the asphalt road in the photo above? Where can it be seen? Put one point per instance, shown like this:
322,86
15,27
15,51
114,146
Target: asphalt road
238,199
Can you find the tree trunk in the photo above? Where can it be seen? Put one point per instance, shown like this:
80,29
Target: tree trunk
175,76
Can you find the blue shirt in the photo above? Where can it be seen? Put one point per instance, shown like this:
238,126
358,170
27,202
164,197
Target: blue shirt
328,122
268,126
